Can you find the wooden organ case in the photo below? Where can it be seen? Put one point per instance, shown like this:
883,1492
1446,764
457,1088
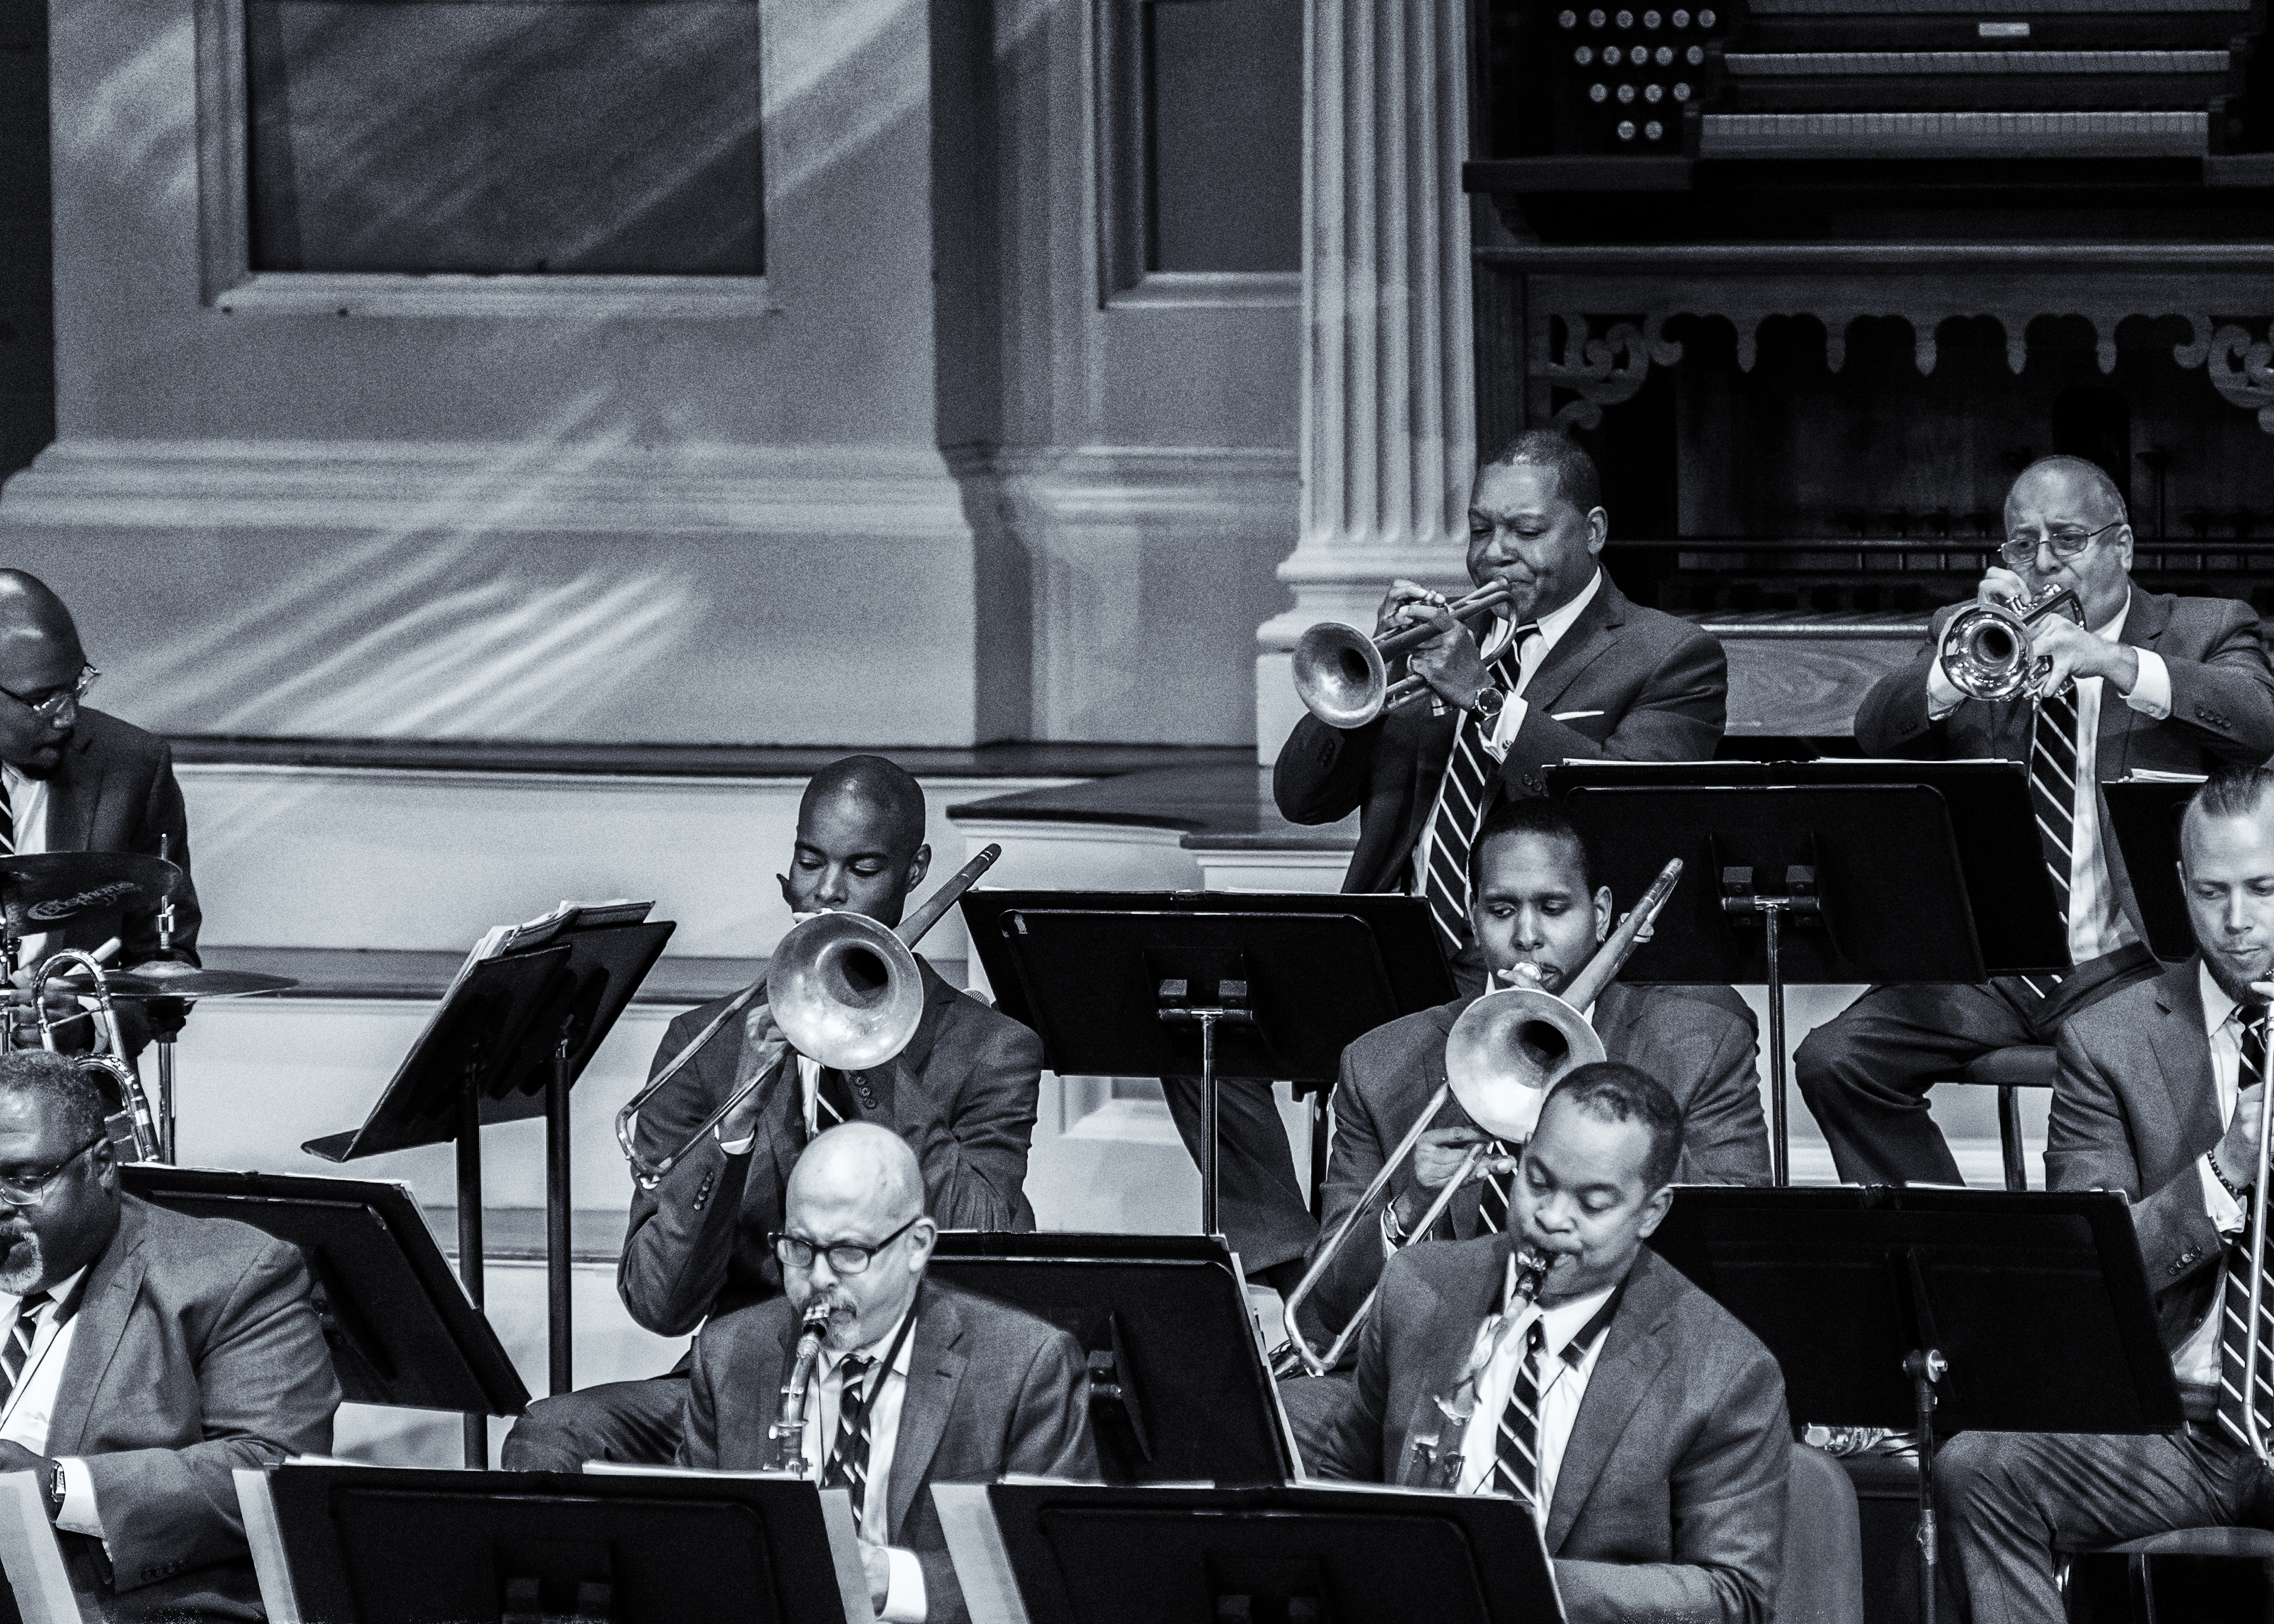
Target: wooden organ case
1814,278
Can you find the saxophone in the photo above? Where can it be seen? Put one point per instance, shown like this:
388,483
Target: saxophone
1434,1465
787,1433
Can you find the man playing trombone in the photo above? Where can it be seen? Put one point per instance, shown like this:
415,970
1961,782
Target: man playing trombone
1540,913
962,1093
2159,1096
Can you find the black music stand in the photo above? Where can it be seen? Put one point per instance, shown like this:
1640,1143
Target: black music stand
1205,984
1179,1391
1077,1553
2145,817
401,1333
365,1544
1894,1307
507,1042
1824,872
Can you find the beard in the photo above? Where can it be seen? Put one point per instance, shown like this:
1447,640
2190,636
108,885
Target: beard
23,1263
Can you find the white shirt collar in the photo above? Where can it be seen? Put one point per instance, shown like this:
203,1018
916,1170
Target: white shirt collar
60,1291
1560,1324
1552,624
2113,632
2218,1009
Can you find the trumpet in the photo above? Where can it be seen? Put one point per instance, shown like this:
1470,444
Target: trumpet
133,1129
1987,649
1502,1056
1342,675
841,989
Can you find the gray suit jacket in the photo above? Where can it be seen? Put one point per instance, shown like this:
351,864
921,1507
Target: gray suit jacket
990,1390
2222,707
2136,1109
1670,1503
1658,687
114,791
1697,1041
196,1352
962,1093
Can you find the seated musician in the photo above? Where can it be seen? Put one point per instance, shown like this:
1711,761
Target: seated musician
75,779
1646,1427
1540,903
2158,1096
2175,684
917,1383
144,1357
962,1093
1566,668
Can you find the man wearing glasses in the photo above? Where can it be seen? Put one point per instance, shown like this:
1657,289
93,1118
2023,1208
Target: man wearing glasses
74,779
916,1383
144,1356
2148,681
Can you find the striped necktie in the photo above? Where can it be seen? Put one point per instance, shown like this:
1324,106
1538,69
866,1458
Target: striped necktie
832,1101
2235,1316
1461,806
1493,1194
848,1461
7,820
18,1349
2052,791
1516,1463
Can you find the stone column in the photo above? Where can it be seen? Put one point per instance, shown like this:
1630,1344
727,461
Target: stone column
1388,431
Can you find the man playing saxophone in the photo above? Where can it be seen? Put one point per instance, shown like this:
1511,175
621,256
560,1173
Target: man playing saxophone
1644,1427
962,1093
2173,684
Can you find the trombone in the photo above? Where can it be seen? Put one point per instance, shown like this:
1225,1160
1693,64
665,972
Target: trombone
841,989
1503,1055
1987,649
132,1128
1342,675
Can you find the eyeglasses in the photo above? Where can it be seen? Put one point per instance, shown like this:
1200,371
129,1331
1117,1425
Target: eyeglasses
845,1257
50,705
30,1189
2021,551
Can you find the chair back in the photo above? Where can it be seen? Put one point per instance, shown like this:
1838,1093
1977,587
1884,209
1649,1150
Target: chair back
1821,1580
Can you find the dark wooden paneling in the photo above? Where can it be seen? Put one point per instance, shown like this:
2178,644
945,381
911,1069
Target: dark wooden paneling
28,344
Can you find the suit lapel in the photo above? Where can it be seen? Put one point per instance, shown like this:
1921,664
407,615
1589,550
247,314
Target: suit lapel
112,1285
1633,1354
2183,1055
73,796
1591,635
2150,617
1451,1334
935,1371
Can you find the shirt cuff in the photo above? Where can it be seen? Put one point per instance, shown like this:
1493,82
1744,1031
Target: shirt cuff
734,1148
78,1515
2151,694
1505,730
904,1589
2221,1208
1942,695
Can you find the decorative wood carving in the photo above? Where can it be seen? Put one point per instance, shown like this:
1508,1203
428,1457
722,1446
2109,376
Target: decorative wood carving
1609,371
2241,367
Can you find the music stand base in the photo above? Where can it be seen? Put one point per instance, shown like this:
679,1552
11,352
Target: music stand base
1925,1368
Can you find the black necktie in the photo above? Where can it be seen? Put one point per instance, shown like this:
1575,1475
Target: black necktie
1461,809
18,1349
848,1461
2234,1296
2052,791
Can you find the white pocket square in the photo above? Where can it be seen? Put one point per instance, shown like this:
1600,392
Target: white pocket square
1573,715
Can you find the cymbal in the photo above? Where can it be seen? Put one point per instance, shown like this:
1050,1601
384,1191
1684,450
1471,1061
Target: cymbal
167,978
52,887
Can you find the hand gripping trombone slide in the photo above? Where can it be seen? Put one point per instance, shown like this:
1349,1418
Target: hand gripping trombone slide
1502,1056
841,989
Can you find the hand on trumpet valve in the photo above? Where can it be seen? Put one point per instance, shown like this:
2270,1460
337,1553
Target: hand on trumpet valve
1437,1159
1450,662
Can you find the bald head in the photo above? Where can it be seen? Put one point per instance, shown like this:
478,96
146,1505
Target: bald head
860,840
40,658
2076,485
857,1190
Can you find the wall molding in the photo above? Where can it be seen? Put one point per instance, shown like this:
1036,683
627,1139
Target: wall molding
420,485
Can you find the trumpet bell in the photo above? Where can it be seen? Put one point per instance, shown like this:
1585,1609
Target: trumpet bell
1985,652
845,991
1340,676
1506,1051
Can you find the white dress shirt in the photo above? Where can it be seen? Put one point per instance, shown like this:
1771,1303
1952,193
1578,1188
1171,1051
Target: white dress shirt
28,804
2096,924
1529,658
2197,1358
1562,1388
32,1405
904,1596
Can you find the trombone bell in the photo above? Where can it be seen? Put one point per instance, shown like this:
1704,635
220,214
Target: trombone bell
846,991
1506,1051
1340,675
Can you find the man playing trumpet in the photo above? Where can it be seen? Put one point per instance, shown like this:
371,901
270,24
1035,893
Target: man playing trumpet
963,1094
1644,1427
2173,684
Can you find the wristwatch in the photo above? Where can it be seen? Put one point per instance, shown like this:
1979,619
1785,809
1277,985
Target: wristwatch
1489,702
57,1490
